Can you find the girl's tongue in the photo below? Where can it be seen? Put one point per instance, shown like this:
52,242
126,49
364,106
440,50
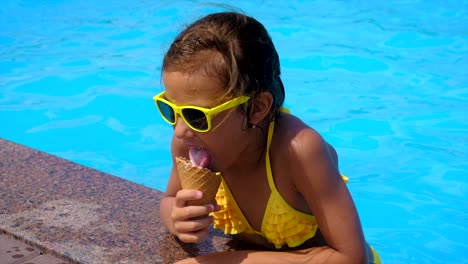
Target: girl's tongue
199,157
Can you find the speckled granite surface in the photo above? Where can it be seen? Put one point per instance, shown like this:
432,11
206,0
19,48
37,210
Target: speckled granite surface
84,215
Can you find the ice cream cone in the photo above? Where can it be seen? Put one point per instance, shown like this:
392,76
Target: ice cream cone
198,178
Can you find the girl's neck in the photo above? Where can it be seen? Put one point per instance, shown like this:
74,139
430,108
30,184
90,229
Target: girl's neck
253,156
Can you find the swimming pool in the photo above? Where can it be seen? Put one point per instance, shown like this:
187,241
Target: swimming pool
385,83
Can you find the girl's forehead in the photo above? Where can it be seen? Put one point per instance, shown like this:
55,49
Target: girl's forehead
192,88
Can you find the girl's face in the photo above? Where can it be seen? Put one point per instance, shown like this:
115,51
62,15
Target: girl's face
228,137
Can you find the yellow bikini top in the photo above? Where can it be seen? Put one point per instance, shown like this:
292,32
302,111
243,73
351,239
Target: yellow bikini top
281,223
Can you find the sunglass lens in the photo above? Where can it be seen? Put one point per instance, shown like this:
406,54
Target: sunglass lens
196,118
166,111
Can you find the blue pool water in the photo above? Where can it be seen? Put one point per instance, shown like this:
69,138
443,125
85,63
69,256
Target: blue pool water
385,83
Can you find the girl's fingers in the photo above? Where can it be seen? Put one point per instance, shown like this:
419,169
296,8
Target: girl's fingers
183,196
191,222
194,237
183,212
190,212
194,225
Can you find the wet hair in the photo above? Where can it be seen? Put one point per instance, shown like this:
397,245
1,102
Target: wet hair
233,48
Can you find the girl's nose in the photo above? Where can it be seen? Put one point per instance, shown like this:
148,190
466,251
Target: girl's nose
181,130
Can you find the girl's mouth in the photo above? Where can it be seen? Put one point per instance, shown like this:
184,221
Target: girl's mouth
199,157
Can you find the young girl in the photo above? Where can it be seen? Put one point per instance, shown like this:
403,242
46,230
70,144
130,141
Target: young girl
281,187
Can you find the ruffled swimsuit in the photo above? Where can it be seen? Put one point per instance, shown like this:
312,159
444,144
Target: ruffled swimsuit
281,225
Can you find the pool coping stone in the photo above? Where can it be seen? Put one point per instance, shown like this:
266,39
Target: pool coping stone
83,215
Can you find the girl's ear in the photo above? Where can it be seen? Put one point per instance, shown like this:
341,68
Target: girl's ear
261,106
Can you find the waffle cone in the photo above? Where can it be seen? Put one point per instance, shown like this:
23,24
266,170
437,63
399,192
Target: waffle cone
197,178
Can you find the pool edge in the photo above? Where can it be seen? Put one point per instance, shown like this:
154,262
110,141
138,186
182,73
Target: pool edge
84,215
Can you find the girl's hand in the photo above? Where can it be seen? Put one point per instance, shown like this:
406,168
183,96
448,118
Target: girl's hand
191,222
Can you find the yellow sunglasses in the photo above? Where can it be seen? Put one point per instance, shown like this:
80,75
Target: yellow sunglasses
197,118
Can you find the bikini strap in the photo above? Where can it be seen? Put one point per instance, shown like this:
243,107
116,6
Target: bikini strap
271,129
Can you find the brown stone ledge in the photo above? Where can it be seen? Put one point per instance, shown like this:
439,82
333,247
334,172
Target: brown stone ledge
84,215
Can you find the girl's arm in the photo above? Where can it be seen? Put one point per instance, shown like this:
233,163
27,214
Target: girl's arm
173,186
311,255
317,178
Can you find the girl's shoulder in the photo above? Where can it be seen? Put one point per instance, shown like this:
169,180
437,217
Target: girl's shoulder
308,159
296,141
292,132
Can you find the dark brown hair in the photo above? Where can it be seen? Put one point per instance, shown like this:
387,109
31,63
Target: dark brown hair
233,48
